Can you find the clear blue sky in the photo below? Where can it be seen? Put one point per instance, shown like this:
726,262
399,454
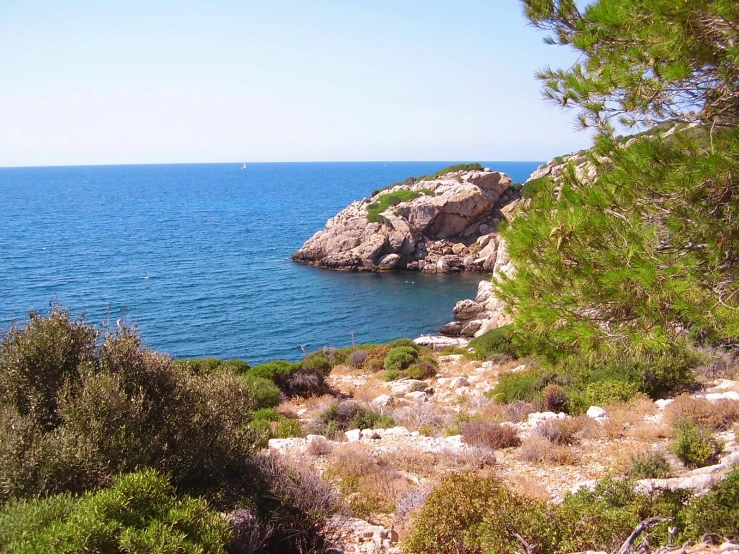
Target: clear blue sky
98,82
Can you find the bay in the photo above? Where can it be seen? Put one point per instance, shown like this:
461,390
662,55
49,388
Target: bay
197,255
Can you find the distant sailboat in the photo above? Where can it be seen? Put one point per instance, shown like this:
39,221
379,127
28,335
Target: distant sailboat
243,166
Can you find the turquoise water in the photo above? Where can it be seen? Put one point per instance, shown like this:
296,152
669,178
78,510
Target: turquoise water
198,255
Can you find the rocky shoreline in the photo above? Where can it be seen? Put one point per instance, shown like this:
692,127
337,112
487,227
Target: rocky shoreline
445,224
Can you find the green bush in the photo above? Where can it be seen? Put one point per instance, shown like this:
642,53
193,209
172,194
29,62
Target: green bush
518,386
271,370
694,446
469,513
139,514
424,368
264,392
718,511
317,362
649,465
405,342
602,393
534,187
391,375
496,342
121,408
287,428
400,357
348,414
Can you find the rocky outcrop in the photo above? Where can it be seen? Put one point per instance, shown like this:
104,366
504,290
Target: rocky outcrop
447,224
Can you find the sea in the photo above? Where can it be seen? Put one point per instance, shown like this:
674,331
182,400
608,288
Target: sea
197,255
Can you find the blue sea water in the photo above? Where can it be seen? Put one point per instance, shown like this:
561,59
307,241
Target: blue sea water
197,255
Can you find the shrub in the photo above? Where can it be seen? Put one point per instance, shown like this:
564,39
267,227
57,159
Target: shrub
302,381
717,415
555,398
517,386
404,342
533,187
123,407
518,411
391,375
349,414
271,370
387,200
539,449
140,513
400,357
287,428
694,446
489,434
555,431
603,393
264,392
718,511
494,342
424,368
357,358
319,363
649,465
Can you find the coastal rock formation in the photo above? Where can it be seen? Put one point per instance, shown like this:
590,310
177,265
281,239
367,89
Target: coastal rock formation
435,225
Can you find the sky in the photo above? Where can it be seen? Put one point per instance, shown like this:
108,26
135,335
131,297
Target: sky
98,82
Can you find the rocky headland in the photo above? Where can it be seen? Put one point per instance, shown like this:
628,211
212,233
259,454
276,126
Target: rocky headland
440,224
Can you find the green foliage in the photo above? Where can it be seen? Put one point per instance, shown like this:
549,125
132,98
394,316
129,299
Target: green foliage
392,375
139,514
458,167
121,408
518,386
644,61
718,511
649,465
603,393
532,188
694,446
271,370
385,201
405,342
264,392
468,513
400,357
346,415
498,341
424,368
211,365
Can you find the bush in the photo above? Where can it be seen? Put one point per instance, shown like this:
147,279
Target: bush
264,392
424,368
122,408
493,343
534,187
349,414
274,369
555,399
719,415
302,381
140,513
556,431
694,446
468,513
387,200
649,465
391,375
519,386
357,358
318,363
718,511
603,393
489,434
404,342
400,357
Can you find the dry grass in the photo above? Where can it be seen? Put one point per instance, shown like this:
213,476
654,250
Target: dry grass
370,390
428,416
539,450
528,486
370,484
718,415
624,416
518,411
489,434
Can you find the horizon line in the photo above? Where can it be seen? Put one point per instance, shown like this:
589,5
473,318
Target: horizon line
255,163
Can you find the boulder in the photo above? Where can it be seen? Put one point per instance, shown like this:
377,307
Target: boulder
597,413
437,342
384,400
354,435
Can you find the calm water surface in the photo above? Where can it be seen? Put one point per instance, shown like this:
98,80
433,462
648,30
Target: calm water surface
198,255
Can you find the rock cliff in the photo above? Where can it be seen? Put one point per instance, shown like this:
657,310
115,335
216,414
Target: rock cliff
435,225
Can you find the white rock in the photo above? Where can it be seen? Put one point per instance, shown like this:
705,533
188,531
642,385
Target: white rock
536,417
459,382
384,400
353,435
716,396
455,440
721,385
370,434
518,368
450,358
280,444
397,431
594,412
729,547
418,396
663,403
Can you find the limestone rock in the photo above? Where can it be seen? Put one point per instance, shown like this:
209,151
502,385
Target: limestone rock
596,413
430,232
436,342
384,400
